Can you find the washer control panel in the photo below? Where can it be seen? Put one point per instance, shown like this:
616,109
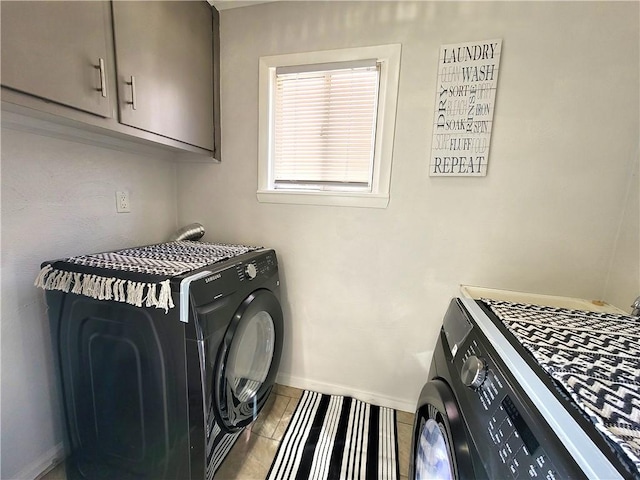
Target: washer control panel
505,436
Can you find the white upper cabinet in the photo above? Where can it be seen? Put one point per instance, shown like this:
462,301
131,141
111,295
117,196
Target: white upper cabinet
164,64
140,69
43,56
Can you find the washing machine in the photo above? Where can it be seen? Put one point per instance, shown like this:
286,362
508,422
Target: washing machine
489,410
159,385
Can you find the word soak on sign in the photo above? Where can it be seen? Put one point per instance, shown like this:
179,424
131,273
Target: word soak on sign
465,96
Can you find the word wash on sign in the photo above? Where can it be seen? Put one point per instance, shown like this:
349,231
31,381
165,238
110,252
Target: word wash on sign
465,98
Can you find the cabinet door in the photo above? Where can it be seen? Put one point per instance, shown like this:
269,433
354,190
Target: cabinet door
164,56
43,56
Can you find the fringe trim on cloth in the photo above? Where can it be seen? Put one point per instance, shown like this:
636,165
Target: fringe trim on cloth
163,260
107,288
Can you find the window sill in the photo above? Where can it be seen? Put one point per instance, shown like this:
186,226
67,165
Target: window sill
366,200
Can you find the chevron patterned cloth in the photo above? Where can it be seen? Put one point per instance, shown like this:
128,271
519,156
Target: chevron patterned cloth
595,357
138,276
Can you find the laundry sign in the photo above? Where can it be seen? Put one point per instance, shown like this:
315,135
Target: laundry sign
465,98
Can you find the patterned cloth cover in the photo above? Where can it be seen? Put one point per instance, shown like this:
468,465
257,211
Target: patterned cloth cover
594,357
138,276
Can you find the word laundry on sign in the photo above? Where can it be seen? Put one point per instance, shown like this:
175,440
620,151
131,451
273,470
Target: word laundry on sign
464,53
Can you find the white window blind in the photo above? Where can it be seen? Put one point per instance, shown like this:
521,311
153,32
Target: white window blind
324,122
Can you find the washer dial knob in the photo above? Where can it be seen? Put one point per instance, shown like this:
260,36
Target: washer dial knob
474,371
251,271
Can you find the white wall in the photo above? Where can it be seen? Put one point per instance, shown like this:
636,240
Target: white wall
58,200
365,289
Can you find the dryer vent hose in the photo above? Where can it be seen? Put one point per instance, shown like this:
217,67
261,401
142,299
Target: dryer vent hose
193,231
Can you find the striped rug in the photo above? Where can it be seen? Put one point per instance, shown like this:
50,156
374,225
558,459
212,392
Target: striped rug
332,437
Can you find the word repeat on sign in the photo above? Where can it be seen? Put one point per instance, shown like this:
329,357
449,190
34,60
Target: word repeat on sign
465,98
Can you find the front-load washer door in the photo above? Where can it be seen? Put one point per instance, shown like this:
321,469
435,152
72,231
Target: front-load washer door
248,360
440,449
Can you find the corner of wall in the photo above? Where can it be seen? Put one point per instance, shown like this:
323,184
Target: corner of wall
622,284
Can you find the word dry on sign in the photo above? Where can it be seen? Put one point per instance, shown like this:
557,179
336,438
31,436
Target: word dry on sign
465,98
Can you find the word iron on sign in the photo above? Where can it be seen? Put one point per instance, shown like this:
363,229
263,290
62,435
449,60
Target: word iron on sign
465,98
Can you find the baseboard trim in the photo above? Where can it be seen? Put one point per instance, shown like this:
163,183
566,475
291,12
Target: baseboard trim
43,464
337,389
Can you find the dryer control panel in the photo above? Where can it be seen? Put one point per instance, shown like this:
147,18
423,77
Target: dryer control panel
511,449
261,266
238,273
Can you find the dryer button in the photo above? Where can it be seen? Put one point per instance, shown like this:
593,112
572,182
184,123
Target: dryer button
251,271
513,468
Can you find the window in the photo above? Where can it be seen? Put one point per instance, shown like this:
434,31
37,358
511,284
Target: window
324,123
327,122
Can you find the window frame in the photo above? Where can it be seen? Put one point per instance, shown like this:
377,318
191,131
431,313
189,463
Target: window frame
388,56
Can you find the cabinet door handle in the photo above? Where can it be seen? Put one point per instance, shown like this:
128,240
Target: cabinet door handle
132,82
103,80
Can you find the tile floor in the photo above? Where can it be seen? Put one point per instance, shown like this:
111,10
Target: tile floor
256,448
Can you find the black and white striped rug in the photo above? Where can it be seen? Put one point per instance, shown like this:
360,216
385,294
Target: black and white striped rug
333,437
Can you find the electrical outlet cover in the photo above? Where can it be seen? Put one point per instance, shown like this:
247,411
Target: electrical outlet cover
123,204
